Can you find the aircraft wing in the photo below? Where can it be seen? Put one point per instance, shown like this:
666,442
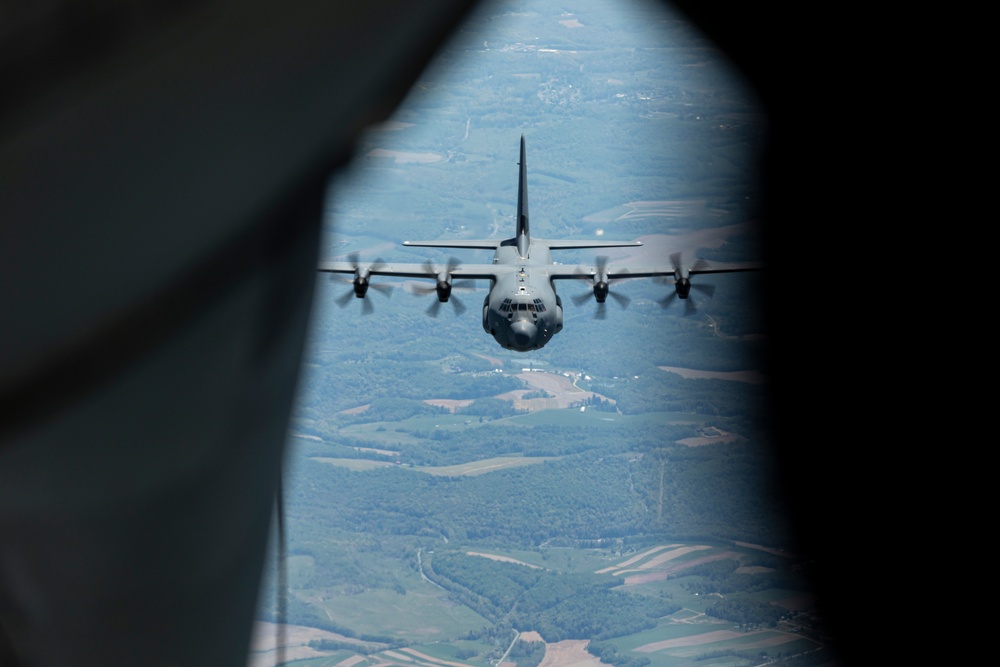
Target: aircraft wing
623,271
552,244
460,271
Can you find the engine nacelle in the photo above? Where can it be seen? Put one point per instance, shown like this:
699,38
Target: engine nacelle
360,286
601,291
443,289
683,287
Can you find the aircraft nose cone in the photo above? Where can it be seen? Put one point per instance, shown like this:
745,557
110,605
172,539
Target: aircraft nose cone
522,333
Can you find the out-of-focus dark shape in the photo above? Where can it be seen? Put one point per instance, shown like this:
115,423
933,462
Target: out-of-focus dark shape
162,166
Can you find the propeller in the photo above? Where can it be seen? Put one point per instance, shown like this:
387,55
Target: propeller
682,284
360,284
443,287
602,290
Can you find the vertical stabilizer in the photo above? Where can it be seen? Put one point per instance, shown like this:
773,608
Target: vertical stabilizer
523,236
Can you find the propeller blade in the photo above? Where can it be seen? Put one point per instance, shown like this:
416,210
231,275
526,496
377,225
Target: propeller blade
383,288
435,308
342,301
704,289
675,261
448,291
602,266
600,275
457,286
682,274
420,288
432,270
366,307
622,300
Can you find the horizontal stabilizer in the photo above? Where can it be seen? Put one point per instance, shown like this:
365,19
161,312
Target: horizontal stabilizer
491,244
567,245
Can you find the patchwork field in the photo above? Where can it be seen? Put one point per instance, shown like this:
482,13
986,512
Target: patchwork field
464,469
561,388
750,376
353,464
647,561
503,559
485,465
263,644
427,614
569,653
424,613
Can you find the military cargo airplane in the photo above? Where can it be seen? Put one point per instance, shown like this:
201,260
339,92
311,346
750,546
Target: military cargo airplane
522,310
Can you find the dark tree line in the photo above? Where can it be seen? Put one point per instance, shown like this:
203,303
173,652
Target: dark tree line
746,613
557,606
610,654
527,654
722,577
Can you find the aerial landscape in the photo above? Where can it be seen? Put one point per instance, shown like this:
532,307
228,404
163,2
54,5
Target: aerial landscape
608,499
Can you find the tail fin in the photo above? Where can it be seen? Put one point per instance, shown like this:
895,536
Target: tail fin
523,237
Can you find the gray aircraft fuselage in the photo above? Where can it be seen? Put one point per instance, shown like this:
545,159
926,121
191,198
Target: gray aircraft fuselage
522,310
